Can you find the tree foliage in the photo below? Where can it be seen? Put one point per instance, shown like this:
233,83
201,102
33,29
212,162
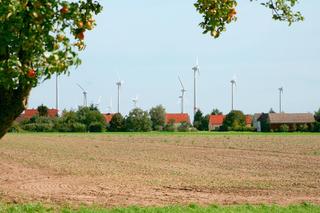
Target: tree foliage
218,13
41,37
317,115
201,122
69,122
38,38
216,112
158,117
197,119
43,110
117,123
234,121
138,121
90,115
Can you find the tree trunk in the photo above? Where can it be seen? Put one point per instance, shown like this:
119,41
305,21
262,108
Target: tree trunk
12,104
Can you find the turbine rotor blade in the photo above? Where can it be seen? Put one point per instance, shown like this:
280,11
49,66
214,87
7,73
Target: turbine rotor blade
81,88
181,82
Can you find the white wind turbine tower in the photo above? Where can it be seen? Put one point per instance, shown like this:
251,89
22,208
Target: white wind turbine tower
135,101
109,107
183,90
119,84
196,70
85,103
99,101
233,84
280,99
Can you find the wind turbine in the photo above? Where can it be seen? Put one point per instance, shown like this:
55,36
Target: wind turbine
110,106
183,90
99,101
196,70
280,99
85,104
119,84
233,84
135,101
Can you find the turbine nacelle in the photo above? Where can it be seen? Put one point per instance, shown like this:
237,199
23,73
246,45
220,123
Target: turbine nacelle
281,89
135,101
119,83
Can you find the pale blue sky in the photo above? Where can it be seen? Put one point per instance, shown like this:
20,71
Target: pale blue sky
149,43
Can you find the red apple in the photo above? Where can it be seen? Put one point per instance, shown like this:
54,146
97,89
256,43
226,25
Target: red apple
31,73
64,10
80,35
80,24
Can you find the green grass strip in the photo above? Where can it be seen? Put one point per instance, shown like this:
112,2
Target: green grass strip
31,208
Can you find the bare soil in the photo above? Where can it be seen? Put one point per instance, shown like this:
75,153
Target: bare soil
153,169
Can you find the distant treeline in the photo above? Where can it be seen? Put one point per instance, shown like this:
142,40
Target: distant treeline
90,119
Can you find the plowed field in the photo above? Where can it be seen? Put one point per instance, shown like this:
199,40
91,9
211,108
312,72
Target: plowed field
160,169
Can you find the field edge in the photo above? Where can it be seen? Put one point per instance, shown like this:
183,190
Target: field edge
39,207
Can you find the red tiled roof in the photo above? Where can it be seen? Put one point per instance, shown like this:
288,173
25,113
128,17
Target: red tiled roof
52,113
29,113
108,117
177,117
248,119
216,119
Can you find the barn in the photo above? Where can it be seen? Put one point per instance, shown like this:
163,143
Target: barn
273,121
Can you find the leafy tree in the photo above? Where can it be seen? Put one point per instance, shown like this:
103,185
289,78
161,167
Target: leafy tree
171,126
201,122
234,121
96,127
38,38
216,112
89,115
217,14
43,110
39,124
117,123
317,115
184,127
316,127
138,121
205,123
68,122
197,120
158,117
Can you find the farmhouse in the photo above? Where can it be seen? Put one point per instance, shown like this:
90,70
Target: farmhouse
248,121
177,118
108,117
216,121
29,113
273,121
